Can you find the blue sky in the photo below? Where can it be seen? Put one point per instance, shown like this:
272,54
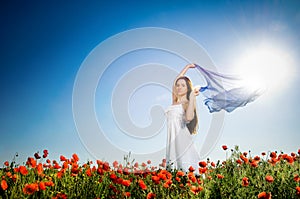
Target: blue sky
44,44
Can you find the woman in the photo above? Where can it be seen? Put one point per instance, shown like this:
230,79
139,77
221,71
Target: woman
182,123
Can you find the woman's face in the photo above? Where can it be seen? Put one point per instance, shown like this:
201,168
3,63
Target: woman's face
181,87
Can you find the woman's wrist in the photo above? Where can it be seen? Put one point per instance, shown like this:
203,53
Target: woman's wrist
192,97
188,66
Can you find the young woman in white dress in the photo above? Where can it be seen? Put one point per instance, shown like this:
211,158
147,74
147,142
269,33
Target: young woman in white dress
182,122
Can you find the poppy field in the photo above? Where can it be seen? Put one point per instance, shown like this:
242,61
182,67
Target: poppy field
241,175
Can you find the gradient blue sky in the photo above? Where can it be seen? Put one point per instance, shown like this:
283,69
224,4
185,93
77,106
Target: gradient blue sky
43,44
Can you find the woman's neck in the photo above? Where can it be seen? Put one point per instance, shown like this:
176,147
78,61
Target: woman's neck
182,99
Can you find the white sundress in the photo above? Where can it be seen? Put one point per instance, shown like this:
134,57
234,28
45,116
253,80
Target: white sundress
181,152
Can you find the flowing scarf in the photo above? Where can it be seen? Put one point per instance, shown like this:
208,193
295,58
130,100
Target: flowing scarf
224,92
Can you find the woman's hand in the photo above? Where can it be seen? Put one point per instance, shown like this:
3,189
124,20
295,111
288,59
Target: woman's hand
185,69
190,66
195,92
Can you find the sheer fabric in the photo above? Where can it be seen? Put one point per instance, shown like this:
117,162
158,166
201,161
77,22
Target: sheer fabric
225,92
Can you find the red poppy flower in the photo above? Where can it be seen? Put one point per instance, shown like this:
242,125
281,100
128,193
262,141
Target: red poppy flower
298,190
224,147
155,179
30,188
88,172
106,166
59,174
243,157
23,170
126,183
126,171
269,178
239,161
245,181
142,184
191,169
192,177
202,164
127,194
39,168
37,156
31,162
75,169
62,158
264,195
8,174
263,153
45,153
151,195
149,162
60,196
196,189
42,186
4,185
113,176
202,170
119,170
273,161
75,157
180,173
213,164
162,176
168,174
118,181
254,164
257,158
6,163
56,166
167,184
115,164
297,178
144,164
14,177
99,162
65,165
100,171
293,154
220,176
289,159
273,155
49,184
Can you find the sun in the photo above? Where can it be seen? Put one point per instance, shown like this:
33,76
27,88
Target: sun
265,67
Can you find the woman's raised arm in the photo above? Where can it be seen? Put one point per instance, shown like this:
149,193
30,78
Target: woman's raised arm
185,69
182,73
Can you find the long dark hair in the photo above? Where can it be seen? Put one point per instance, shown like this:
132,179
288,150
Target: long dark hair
193,124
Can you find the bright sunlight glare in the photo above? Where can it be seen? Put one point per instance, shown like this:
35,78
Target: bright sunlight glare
266,68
